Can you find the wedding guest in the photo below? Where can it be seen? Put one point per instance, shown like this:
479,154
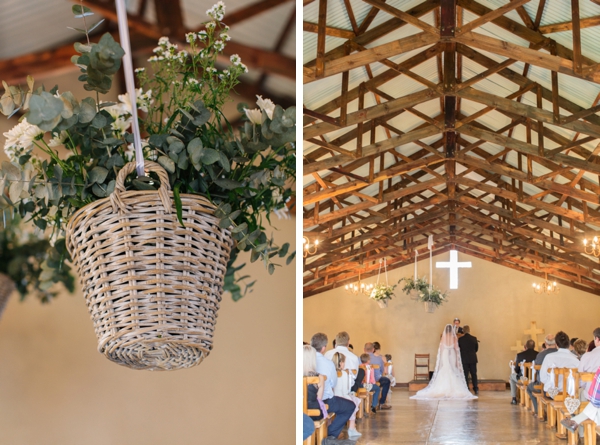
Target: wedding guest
591,346
590,361
563,358
343,389
342,339
539,359
591,411
362,381
544,346
580,347
527,356
389,370
342,408
384,382
572,343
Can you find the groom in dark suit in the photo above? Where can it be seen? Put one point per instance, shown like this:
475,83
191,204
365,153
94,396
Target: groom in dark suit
468,354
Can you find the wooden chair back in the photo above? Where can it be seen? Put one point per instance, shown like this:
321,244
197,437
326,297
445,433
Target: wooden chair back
305,382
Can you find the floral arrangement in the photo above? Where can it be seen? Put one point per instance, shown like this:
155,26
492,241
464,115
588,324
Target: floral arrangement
24,259
425,292
248,174
382,292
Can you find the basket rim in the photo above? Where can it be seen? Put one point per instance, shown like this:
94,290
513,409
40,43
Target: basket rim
69,228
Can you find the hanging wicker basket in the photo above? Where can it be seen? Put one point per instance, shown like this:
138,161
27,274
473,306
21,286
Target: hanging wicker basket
152,287
430,306
7,286
382,303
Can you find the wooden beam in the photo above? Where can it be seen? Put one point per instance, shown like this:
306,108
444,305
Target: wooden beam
492,15
404,16
373,112
330,31
375,54
568,26
322,24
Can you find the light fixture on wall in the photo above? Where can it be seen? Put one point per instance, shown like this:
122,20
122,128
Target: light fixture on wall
547,287
308,250
591,247
359,286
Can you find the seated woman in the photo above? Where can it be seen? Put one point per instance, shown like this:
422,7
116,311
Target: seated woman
315,391
343,389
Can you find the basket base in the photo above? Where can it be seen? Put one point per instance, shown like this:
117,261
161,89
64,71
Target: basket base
154,356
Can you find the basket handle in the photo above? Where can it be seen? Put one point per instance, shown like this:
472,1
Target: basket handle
163,191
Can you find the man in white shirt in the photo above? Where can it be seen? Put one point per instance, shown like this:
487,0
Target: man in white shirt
563,358
590,361
343,408
342,340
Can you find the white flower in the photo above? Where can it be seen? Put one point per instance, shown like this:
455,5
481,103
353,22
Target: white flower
140,70
225,37
143,100
282,213
217,12
163,41
235,59
254,116
190,37
153,59
120,125
266,105
202,35
58,140
210,25
219,45
20,137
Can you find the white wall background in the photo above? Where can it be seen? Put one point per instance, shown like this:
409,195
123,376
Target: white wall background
496,302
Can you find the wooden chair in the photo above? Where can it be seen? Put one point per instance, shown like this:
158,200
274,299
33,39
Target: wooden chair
322,424
522,386
558,401
589,427
421,362
538,396
366,395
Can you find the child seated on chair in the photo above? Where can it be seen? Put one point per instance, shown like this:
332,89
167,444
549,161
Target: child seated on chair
343,389
367,382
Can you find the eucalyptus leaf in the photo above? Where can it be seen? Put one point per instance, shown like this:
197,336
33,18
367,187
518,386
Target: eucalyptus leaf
11,172
167,163
228,184
97,175
209,156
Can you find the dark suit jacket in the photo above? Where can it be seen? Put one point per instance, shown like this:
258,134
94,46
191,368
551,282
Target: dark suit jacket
528,355
468,348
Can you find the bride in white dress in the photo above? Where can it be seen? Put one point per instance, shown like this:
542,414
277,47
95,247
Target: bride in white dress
448,380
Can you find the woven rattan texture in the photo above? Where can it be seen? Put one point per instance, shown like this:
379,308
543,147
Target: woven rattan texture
7,286
152,287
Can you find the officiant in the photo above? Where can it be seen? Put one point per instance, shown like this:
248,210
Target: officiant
469,346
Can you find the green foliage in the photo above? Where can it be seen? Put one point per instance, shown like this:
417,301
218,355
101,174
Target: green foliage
382,292
247,174
31,263
424,291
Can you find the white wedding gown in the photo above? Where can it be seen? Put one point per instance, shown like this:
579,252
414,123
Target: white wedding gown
448,380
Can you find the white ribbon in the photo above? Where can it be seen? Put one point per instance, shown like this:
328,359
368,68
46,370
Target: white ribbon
552,385
130,84
430,247
416,255
532,373
571,384
522,365
511,365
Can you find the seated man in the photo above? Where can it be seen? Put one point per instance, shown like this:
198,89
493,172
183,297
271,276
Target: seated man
384,382
563,358
539,359
528,355
342,340
343,408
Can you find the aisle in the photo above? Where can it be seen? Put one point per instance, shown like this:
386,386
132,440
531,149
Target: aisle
489,420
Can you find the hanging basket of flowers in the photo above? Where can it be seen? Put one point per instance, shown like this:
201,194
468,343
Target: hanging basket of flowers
151,286
382,293
154,251
426,293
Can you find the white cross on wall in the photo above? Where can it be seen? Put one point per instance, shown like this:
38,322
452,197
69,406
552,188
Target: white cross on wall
453,265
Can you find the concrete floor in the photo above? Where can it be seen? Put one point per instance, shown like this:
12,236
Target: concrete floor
491,419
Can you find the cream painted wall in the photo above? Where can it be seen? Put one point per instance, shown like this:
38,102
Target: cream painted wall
55,388
495,301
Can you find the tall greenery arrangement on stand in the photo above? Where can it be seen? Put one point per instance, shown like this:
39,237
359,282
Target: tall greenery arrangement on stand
248,174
